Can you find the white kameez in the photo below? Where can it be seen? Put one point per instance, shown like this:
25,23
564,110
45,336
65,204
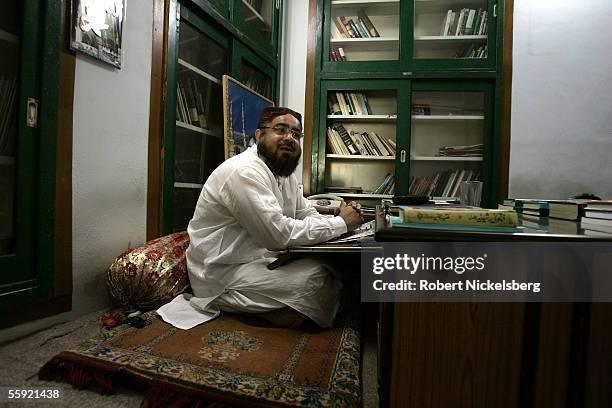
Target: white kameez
243,213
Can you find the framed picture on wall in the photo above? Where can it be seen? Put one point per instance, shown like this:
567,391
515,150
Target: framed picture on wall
241,108
96,29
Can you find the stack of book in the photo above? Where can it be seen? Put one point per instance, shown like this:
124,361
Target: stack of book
597,217
348,103
359,26
442,184
340,141
461,151
458,218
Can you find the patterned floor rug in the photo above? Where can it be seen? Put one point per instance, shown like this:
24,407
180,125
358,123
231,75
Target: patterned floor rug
230,361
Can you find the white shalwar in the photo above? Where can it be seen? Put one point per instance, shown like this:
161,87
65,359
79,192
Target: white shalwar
243,213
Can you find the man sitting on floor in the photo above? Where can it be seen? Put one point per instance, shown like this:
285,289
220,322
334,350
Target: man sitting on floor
251,205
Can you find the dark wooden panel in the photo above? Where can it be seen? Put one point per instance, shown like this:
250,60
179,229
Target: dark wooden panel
309,102
504,166
156,120
456,354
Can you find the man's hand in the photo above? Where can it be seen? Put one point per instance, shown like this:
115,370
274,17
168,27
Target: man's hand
351,214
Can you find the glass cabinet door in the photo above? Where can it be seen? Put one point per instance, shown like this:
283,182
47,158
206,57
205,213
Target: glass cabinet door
202,59
19,78
358,157
449,139
10,31
258,18
453,30
362,31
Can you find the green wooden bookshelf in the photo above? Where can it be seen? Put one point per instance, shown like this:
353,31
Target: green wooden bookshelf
434,69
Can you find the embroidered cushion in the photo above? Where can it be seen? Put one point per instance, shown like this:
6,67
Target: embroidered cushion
146,277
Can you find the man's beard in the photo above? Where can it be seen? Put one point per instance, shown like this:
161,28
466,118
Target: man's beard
280,166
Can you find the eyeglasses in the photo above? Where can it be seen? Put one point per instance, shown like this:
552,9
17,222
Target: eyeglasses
282,130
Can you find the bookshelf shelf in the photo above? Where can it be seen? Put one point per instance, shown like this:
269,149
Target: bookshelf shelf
198,129
188,185
363,118
439,6
376,40
198,71
8,37
446,159
363,195
358,157
451,38
447,117
7,161
364,2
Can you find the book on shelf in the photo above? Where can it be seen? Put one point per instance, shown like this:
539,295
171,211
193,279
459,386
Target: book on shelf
597,224
442,184
600,205
560,226
606,215
387,186
349,103
534,221
341,27
346,139
363,17
461,151
457,215
333,104
421,109
192,103
464,22
567,209
531,206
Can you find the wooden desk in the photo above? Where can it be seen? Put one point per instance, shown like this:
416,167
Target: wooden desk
494,354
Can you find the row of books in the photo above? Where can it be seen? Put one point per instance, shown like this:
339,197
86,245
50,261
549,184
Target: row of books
193,101
336,54
564,216
473,51
387,186
442,184
340,141
360,27
259,85
464,22
461,151
348,103
8,96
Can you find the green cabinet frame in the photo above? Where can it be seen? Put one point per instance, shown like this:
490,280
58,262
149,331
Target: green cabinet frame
211,19
406,75
27,276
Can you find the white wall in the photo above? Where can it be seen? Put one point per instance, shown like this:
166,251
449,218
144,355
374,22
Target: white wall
293,64
109,168
561,142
